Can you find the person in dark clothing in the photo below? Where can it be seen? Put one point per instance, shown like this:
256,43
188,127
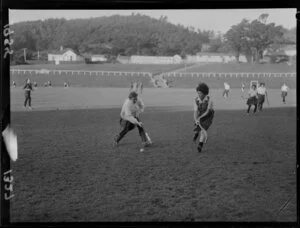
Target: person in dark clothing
28,88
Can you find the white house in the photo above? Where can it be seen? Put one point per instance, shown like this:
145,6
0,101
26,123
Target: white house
64,55
98,58
290,50
209,57
138,59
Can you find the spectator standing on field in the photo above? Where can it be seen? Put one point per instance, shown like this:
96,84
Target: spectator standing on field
226,90
284,92
141,87
243,88
28,88
131,87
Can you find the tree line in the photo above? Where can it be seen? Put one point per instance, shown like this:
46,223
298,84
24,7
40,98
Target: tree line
140,35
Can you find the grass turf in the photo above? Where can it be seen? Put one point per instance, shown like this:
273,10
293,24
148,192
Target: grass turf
68,171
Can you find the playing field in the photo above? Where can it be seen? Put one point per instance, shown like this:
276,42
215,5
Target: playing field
68,171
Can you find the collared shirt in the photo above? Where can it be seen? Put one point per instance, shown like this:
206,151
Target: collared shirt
261,90
130,110
284,88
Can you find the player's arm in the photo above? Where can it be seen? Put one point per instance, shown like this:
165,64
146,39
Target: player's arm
196,113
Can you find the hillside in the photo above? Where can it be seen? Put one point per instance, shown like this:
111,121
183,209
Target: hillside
125,35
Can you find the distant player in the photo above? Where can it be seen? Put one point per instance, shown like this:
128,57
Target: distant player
203,114
135,87
141,86
35,84
284,92
261,95
226,90
252,100
28,88
66,85
243,88
131,87
49,84
130,114
14,84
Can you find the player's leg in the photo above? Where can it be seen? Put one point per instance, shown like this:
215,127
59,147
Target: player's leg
205,123
201,141
196,130
255,107
126,126
26,100
249,107
142,134
29,100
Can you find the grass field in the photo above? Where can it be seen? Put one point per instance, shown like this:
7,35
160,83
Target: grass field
68,171
177,99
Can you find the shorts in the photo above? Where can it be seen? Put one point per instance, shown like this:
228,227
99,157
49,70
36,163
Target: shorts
261,99
252,101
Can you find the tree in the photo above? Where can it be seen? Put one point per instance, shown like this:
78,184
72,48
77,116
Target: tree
260,36
235,38
253,38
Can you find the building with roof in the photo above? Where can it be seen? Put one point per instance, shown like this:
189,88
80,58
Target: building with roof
98,58
210,57
64,55
124,59
138,59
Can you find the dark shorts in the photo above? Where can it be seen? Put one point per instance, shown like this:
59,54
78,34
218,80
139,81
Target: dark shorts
252,101
261,99
205,121
283,94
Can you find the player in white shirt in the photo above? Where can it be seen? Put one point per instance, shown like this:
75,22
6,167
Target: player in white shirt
243,88
284,92
261,95
226,89
130,113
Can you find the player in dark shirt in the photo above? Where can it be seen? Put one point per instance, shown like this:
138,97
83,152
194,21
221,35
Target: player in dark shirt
28,88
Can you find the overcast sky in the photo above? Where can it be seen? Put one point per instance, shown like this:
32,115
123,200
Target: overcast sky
217,20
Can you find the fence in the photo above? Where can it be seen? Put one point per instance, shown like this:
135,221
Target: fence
73,72
229,75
